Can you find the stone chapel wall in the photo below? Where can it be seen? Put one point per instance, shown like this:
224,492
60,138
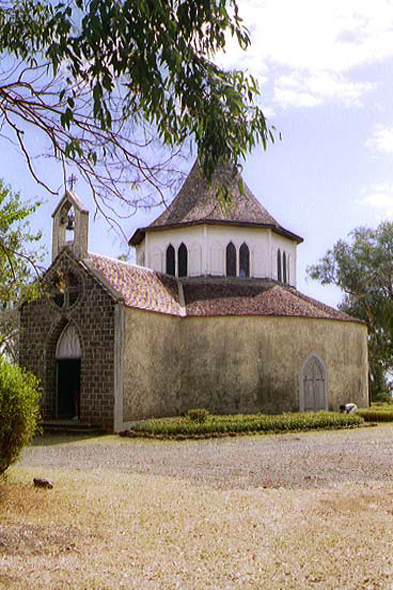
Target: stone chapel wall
93,315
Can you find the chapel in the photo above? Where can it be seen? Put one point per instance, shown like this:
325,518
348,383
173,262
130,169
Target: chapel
209,317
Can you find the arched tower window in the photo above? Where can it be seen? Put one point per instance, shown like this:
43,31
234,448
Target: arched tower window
284,267
279,273
231,260
68,219
170,260
288,268
182,261
244,256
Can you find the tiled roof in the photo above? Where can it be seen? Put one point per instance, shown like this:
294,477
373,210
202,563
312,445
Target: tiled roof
146,289
196,203
138,287
252,297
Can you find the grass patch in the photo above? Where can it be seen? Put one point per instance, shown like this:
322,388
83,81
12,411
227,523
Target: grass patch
181,428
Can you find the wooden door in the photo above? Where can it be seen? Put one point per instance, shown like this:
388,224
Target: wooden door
314,385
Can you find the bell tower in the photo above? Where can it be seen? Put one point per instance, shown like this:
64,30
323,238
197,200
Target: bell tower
70,226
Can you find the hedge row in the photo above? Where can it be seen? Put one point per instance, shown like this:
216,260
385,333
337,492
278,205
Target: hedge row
373,415
182,428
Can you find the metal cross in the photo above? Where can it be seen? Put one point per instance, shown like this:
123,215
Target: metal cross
72,182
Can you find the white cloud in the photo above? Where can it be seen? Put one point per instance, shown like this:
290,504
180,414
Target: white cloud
304,89
380,199
318,43
381,140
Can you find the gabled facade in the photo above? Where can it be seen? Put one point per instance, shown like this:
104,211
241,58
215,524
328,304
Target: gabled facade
212,320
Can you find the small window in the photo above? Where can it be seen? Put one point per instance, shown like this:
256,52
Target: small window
170,260
231,260
279,273
183,261
284,267
244,267
288,269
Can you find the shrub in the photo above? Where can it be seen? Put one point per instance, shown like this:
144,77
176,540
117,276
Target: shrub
19,411
214,426
199,415
377,415
384,397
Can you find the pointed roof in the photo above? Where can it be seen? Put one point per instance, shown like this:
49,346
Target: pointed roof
72,198
197,203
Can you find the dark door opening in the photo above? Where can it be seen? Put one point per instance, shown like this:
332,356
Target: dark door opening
68,388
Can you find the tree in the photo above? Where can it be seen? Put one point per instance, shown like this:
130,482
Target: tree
112,85
19,265
363,269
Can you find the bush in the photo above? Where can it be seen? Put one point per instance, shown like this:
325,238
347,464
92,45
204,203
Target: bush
383,397
199,415
377,415
181,428
19,411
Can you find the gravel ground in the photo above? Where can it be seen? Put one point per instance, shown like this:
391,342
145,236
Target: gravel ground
309,511
304,460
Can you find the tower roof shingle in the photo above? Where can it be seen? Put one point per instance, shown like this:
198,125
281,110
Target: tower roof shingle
197,203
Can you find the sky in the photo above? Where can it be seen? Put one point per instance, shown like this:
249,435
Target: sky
325,75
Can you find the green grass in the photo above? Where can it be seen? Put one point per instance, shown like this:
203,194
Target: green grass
232,425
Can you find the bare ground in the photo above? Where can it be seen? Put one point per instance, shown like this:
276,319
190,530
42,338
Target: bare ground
311,510
291,460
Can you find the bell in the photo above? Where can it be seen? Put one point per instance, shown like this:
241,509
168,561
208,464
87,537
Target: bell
70,223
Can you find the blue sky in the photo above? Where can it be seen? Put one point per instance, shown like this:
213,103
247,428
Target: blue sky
325,73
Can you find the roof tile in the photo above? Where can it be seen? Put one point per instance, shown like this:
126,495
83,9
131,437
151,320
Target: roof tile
143,288
139,287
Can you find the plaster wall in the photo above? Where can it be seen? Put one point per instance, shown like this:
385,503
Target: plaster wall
232,364
206,245
152,365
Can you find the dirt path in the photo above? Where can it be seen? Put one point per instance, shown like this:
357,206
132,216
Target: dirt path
315,459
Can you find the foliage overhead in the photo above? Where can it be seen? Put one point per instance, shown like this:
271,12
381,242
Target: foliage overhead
103,79
19,411
19,264
363,269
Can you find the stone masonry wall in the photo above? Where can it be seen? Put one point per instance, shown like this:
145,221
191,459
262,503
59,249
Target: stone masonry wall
41,325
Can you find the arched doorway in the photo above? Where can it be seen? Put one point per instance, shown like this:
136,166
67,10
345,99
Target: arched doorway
68,374
313,385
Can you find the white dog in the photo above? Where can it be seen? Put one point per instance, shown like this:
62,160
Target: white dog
348,408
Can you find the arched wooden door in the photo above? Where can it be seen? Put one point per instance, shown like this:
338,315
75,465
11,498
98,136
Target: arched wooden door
313,386
68,368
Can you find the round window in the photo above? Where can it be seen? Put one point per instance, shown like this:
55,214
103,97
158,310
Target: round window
65,290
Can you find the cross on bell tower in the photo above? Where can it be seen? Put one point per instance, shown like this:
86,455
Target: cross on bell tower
72,182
